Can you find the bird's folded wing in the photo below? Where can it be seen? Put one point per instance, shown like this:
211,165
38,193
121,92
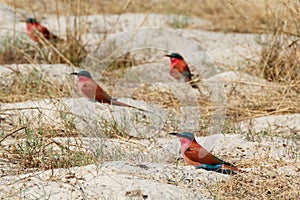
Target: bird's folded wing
201,155
186,74
91,90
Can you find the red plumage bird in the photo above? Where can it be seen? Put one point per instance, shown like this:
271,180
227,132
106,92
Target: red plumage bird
87,87
194,154
180,70
33,29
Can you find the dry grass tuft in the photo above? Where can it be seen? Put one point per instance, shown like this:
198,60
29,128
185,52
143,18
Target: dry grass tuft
158,95
73,51
32,86
16,51
280,58
228,16
119,66
279,61
269,101
20,51
242,103
41,148
69,51
266,183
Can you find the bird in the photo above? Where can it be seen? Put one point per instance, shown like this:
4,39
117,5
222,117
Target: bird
34,28
194,154
88,88
180,70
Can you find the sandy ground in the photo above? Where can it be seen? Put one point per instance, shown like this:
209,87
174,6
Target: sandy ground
145,166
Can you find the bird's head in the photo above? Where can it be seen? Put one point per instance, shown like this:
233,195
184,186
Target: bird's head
175,58
186,135
175,55
186,138
31,20
82,73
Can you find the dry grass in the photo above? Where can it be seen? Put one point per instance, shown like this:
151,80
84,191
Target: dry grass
42,148
32,149
32,86
280,61
14,51
268,185
119,66
242,104
229,16
266,177
70,51
20,51
161,96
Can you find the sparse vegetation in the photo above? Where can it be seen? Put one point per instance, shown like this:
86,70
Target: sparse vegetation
39,149
15,51
20,51
29,148
179,21
31,86
41,146
254,16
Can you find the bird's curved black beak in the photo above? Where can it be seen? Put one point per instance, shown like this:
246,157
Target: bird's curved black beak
167,55
173,133
74,73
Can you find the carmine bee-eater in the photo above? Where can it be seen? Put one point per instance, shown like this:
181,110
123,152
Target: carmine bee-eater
87,87
194,154
33,29
179,69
